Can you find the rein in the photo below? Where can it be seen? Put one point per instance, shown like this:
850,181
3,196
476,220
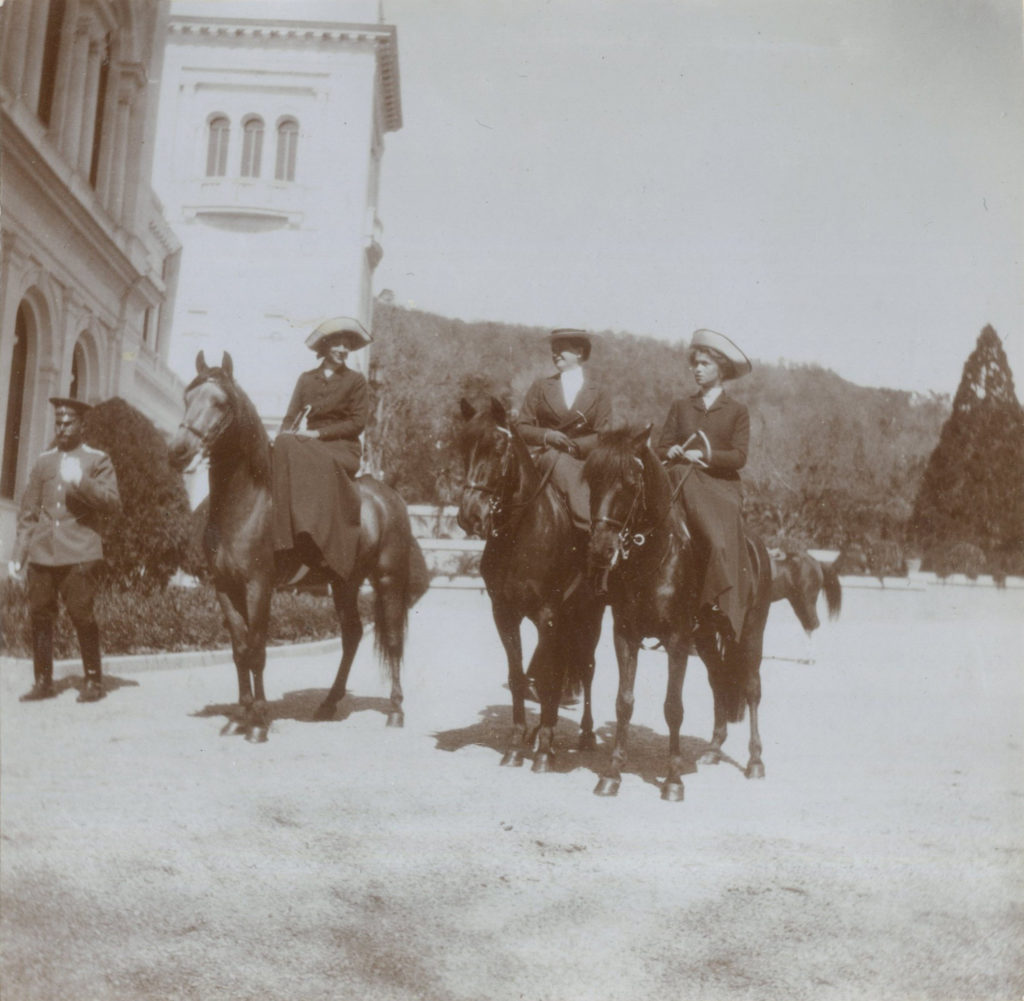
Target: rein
207,440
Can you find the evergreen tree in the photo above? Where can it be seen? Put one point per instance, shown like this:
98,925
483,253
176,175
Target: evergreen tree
148,540
972,490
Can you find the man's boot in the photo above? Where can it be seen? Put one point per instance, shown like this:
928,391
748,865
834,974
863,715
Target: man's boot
89,645
42,663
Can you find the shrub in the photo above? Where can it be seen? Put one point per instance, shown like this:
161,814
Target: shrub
147,541
173,620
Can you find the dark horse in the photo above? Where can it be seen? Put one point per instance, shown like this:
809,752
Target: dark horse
799,578
221,422
649,563
534,566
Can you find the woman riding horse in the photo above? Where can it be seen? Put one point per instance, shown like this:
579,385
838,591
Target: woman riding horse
317,452
562,415
706,437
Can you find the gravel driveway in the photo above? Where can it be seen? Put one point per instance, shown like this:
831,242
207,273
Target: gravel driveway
146,857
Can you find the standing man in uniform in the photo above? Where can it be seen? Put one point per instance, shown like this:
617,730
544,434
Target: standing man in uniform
70,489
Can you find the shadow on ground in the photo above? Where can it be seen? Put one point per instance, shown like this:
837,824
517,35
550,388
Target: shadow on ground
648,750
302,705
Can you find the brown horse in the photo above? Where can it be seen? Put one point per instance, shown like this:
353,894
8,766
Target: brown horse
533,565
221,423
799,578
646,559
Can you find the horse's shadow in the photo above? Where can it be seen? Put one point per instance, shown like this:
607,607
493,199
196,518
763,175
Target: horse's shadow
76,682
648,750
302,705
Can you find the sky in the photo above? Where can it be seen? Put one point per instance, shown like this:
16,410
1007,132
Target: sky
833,182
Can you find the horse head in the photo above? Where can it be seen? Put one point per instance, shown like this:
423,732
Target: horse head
616,473
488,451
210,406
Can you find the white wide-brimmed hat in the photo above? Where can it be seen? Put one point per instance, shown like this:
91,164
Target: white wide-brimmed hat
720,343
354,334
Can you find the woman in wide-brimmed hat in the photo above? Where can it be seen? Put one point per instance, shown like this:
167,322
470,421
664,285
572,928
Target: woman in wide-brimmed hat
318,451
706,437
562,415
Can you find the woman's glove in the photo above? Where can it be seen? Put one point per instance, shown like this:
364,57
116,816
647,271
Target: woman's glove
561,441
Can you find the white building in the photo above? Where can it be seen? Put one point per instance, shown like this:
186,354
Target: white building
270,136
87,262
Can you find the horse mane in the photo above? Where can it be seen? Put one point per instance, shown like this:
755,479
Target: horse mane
613,456
252,435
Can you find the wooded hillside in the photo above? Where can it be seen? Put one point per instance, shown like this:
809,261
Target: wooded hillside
830,462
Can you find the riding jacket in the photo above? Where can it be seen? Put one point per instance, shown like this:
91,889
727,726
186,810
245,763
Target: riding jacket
721,432
544,409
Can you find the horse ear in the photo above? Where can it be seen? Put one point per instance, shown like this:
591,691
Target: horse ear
228,365
468,413
640,440
201,365
498,413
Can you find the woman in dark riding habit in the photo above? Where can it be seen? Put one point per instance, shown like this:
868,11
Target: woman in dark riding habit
705,440
318,451
562,414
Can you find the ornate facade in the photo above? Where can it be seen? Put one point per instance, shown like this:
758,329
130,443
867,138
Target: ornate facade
88,264
269,144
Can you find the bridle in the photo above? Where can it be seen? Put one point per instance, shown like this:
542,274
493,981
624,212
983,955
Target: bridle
625,535
209,437
494,493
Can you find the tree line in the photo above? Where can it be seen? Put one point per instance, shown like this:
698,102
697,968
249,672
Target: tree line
883,473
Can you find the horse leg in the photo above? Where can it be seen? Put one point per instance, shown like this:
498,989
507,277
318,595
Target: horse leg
258,613
626,649
508,621
678,652
712,659
584,645
549,678
232,607
751,664
346,605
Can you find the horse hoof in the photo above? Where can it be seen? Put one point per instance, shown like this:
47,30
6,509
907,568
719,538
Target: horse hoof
396,719
542,762
257,735
607,786
588,742
512,759
755,770
672,792
234,729
709,758
324,712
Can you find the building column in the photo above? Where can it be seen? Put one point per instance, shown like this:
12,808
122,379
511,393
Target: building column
74,110
16,44
34,52
108,134
92,89
119,155
125,155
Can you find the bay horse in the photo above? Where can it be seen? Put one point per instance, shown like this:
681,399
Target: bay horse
534,566
799,578
222,424
648,563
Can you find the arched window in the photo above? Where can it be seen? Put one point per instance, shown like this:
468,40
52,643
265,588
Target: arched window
15,405
287,146
217,148
77,388
252,146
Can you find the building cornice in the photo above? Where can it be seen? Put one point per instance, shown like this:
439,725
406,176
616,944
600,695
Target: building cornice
295,34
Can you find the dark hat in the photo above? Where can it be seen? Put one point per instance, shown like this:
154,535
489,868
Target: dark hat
720,343
570,335
78,406
353,334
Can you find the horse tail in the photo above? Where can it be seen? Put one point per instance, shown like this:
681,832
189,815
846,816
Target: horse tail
407,584
833,589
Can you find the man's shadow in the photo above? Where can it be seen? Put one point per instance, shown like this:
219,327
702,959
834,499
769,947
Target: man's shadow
301,706
647,749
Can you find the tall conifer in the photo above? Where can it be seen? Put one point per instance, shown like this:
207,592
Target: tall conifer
973,486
